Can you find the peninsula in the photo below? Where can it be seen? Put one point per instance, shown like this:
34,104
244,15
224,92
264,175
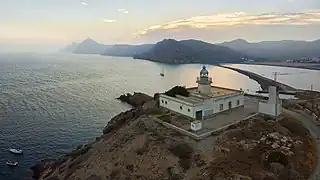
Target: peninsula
154,140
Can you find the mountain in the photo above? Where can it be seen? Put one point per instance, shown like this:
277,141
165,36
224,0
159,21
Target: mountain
276,50
124,50
70,48
189,51
90,46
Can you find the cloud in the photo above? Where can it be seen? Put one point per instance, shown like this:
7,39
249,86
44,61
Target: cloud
125,11
109,20
235,19
84,3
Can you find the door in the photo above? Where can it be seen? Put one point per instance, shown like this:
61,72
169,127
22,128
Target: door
230,104
199,115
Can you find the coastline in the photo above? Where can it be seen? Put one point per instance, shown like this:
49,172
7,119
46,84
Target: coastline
140,103
291,65
123,131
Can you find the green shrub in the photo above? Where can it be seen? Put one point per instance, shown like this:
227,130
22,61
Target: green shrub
177,90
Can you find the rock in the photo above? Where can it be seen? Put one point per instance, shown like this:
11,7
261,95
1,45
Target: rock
39,168
149,105
135,100
276,168
120,119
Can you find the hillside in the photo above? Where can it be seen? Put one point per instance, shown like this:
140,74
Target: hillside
89,46
276,50
189,51
70,48
134,145
124,50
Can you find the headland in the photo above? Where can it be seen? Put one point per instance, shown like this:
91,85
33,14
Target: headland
135,146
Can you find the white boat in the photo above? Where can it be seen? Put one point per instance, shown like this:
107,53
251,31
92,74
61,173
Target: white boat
12,163
162,73
16,151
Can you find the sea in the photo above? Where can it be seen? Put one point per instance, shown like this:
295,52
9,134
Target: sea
51,103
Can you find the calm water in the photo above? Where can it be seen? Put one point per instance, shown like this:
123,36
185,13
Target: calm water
51,103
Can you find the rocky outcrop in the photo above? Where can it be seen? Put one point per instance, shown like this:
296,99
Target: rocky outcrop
135,100
134,146
122,118
142,103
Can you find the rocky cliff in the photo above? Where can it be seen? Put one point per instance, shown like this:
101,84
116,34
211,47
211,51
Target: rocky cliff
135,146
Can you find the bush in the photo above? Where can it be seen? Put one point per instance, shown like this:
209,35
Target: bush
184,152
294,126
277,157
177,90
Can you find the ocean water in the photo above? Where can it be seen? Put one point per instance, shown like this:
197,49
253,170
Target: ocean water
51,103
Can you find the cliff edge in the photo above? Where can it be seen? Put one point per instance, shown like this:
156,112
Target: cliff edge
135,146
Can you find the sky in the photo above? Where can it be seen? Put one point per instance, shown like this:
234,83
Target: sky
60,22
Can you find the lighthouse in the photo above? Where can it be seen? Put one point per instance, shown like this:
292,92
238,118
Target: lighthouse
204,82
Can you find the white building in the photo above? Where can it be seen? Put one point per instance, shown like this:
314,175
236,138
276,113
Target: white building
274,105
205,100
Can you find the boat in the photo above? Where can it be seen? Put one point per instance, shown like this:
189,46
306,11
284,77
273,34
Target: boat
12,163
16,151
162,73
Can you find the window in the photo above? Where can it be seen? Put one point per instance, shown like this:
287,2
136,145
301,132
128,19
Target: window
166,102
188,110
238,102
221,107
180,107
162,101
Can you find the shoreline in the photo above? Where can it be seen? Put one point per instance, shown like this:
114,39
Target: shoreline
140,103
120,129
299,66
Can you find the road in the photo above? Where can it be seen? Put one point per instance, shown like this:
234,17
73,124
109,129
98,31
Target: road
263,81
309,122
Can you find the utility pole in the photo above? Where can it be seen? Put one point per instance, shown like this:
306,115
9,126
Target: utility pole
275,76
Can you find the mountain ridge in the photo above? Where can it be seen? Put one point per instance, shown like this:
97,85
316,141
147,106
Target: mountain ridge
263,50
190,51
277,50
90,46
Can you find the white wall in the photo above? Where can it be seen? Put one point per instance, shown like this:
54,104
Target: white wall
225,102
204,88
212,106
174,105
209,106
270,109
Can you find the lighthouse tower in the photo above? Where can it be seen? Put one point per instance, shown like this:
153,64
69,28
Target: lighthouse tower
204,82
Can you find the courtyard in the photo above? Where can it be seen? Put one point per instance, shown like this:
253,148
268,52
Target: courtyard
216,122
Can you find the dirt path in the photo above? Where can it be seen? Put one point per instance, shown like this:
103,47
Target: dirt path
309,123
